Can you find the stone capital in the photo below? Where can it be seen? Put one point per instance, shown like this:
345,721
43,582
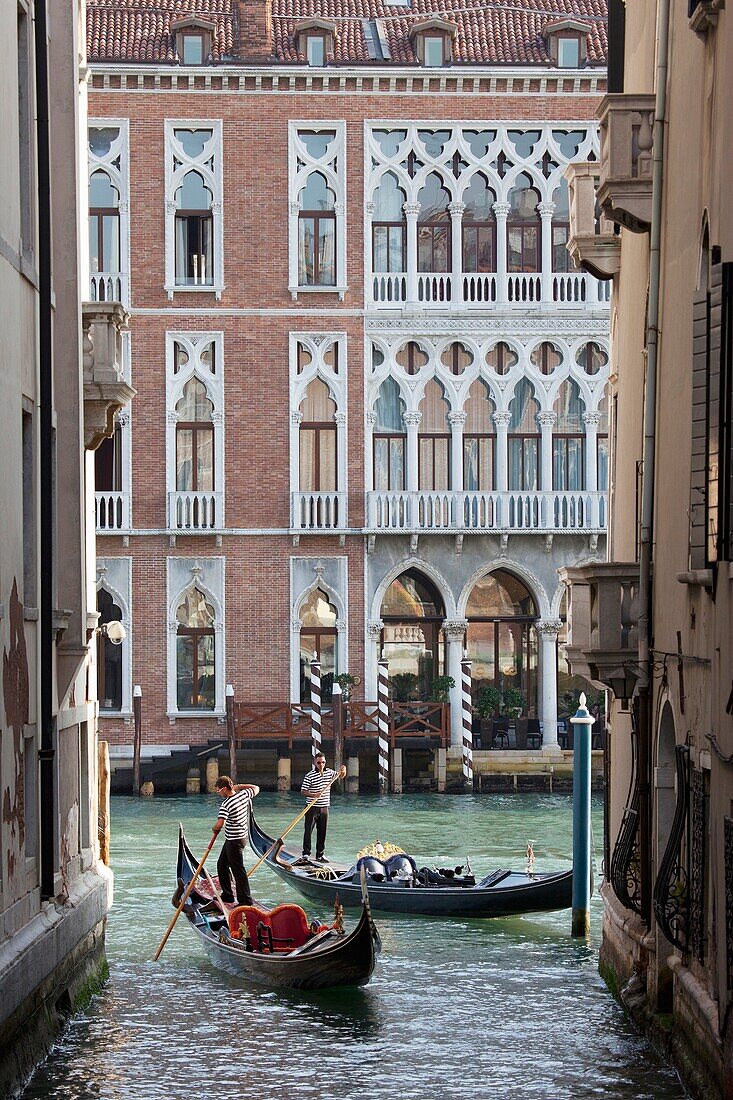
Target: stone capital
591,419
455,629
502,419
296,417
456,209
412,419
340,418
295,625
546,419
548,628
457,419
546,209
411,209
371,419
295,208
339,208
374,628
501,209
370,207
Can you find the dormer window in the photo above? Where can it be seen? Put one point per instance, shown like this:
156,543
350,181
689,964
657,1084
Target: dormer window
434,51
193,38
314,41
315,49
567,42
432,42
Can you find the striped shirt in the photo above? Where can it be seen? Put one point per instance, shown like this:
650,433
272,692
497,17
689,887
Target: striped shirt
235,811
315,783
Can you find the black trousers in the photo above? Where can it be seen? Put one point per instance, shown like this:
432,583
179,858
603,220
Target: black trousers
318,816
230,865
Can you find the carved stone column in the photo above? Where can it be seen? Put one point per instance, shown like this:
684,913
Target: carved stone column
455,637
546,210
412,211
546,421
412,426
457,421
373,631
502,421
501,212
547,632
456,209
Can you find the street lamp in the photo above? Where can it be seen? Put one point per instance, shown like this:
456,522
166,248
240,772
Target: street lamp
114,631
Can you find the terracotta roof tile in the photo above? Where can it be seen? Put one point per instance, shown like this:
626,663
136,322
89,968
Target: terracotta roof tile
509,32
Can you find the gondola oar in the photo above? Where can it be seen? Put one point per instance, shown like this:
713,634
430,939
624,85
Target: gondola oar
184,899
292,824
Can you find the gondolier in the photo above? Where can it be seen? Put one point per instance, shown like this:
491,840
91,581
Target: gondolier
234,820
318,782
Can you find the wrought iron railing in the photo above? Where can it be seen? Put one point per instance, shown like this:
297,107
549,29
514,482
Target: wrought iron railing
672,888
698,830
625,871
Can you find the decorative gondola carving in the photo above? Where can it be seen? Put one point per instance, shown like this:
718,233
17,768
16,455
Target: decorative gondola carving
625,874
672,890
697,864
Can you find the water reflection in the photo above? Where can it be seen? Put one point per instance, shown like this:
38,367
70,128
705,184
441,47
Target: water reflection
507,1009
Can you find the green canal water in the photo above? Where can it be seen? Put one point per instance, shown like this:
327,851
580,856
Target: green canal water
501,1009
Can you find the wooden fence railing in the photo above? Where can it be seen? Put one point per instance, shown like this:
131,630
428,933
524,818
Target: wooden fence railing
289,722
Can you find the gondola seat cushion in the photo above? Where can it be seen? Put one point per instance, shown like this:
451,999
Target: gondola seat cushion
287,924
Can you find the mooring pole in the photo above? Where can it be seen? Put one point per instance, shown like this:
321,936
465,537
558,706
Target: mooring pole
582,721
315,671
337,703
467,721
231,732
383,724
137,700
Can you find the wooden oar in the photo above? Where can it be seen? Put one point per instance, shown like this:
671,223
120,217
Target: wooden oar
292,825
184,899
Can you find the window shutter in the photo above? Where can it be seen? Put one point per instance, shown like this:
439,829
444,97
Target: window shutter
699,425
713,414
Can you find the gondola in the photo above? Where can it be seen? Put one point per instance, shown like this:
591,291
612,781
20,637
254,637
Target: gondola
398,886
277,947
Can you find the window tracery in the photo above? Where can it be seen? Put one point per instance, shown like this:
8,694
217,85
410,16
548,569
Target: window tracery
317,188
194,235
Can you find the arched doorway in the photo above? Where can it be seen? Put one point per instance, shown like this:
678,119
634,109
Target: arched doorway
501,643
412,639
109,656
319,639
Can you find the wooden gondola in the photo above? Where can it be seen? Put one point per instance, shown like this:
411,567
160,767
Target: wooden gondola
419,892
250,942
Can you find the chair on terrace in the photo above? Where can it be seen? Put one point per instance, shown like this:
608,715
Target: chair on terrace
500,733
534,733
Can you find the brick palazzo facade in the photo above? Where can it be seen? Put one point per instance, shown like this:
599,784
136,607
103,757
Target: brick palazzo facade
370,384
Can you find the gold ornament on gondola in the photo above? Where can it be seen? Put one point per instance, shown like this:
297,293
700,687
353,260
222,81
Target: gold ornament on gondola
381,850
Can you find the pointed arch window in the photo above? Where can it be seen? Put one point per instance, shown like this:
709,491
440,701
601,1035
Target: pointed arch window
319,638
389,234
317,233
523,228
194,232
561,258
434,440
318,465
568,441
194,440
413,640
602,444
109,656
195,651
523,439
389,438
479,440
479,227
104,224
433,229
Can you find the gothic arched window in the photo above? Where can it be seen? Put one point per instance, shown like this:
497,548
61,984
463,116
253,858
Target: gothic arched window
523,227
478,440
109,656
104,224
195,647
389,239
568,440
318,440
523,438
317,233
433,230
434,440
389,438
194,440
194,232
319,639
479,227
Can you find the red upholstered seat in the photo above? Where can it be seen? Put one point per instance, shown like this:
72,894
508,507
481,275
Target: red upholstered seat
287,923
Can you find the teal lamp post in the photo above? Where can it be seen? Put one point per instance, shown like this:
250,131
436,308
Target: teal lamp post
582,721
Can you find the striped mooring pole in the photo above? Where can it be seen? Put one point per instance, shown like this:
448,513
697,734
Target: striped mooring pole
583,721
315,705
383,722
467,712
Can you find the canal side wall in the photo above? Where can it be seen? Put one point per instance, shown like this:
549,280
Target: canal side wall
60,957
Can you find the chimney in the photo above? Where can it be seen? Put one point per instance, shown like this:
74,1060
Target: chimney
254,30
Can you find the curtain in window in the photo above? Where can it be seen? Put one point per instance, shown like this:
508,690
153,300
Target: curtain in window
523,444
327,252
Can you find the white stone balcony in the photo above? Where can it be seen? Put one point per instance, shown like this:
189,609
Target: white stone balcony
112,512
318,511
603,610
109,286
482,290
104,348
542,512
594,244
195,511
627,135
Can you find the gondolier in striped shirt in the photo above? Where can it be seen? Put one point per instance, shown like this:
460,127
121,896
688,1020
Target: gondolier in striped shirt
234,820
317,782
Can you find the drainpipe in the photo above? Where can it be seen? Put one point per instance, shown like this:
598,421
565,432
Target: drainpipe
646,552
47,752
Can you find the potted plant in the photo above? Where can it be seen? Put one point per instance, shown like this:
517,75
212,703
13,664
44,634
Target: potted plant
441,688
346,682
513,702
403,685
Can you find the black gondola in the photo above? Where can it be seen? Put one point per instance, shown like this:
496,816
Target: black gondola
403,888
325,958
